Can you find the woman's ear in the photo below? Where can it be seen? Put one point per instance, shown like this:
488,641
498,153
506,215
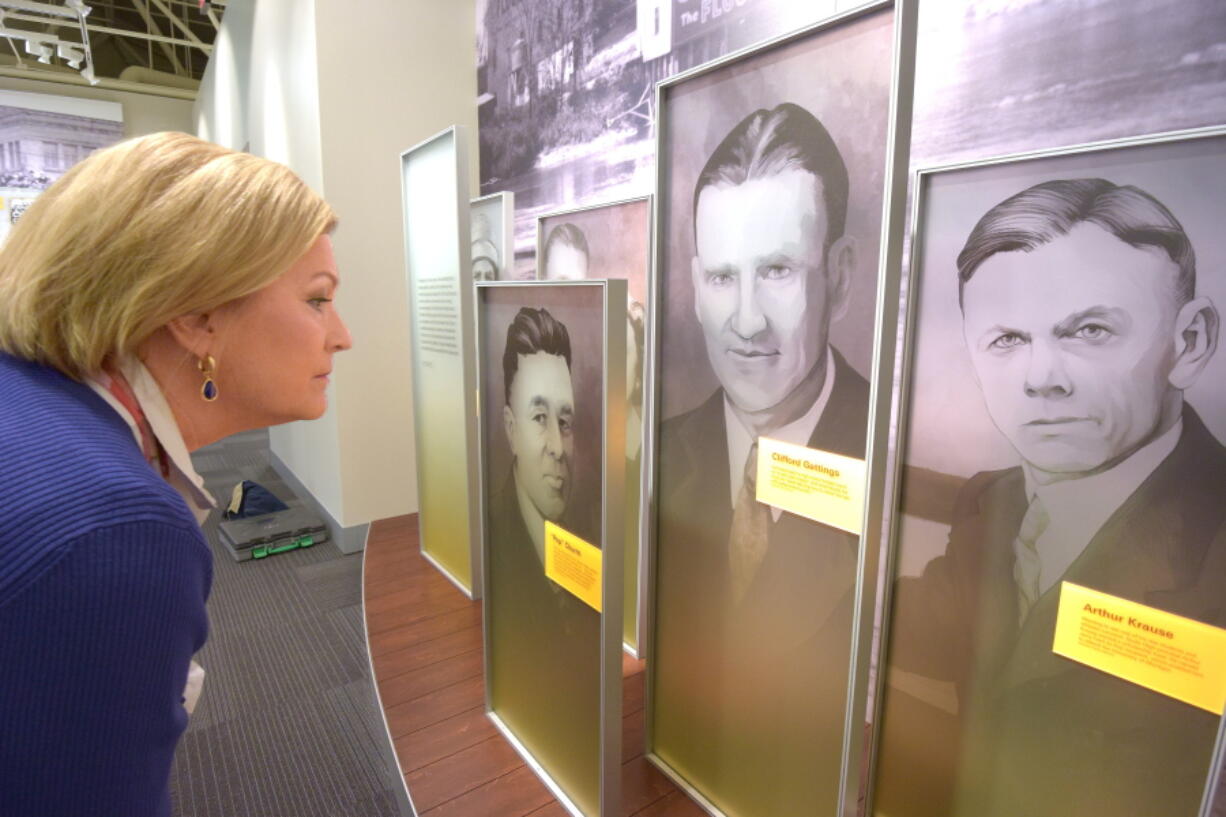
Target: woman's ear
195,332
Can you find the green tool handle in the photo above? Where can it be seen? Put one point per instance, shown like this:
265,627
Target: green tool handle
302,541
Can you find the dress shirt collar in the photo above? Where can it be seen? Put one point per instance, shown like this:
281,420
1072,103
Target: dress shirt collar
798,432
183,476
1077,508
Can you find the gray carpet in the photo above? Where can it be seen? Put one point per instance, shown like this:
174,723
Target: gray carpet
288,724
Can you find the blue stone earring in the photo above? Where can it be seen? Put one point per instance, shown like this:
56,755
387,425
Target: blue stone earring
208,391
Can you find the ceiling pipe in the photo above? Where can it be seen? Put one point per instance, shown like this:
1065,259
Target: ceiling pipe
66,76
148,76
48,9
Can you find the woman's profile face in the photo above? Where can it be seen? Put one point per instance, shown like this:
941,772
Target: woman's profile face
276,344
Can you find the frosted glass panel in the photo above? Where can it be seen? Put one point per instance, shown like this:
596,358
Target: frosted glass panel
772,170
613,241
553,671
443,377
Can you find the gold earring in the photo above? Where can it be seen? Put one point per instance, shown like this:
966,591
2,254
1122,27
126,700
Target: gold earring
207,366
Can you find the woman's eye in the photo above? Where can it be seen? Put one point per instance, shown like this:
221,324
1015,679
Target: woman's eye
319,302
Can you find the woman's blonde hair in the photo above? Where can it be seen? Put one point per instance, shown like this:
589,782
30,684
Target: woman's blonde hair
143,232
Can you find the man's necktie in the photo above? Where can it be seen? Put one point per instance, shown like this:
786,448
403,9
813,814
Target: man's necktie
750,522
1026,567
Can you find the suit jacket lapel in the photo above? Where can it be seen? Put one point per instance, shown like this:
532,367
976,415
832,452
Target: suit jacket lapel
987,538
806,559
1151,550
844,423
699,464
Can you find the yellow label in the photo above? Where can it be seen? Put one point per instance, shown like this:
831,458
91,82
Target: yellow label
811,483
573,563
1170,654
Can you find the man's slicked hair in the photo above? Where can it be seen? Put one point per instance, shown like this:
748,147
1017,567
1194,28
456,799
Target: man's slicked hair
767,143
532,331
1044,212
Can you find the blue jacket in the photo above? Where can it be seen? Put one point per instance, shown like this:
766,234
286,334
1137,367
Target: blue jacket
104,576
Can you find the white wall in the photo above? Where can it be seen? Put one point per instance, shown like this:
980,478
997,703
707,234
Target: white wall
223,97
389,77
142,113
337,94
260,93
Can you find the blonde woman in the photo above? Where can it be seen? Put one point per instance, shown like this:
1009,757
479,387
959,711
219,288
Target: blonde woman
163,294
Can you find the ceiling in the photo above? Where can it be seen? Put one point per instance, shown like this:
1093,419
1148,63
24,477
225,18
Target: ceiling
171,37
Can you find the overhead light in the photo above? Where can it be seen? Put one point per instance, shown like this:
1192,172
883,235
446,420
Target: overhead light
42,52
73,56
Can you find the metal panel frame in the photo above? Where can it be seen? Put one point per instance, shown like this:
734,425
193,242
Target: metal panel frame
649,374
612,537
467,352
888,275
885,483
1216,773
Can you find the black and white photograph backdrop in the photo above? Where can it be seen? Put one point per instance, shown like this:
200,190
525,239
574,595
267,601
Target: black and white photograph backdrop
41,136
1066,407
994,76
771,193
566,89
1005,76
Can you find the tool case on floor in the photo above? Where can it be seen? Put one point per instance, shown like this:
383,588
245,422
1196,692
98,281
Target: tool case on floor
257,537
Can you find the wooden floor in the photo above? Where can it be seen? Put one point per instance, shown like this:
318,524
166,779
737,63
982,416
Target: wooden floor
425,643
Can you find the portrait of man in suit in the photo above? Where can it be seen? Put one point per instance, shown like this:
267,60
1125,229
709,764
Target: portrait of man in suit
566,254
1084,327
537,417
544,655
753,650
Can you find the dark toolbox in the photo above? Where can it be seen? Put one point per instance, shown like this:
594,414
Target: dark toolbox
267,534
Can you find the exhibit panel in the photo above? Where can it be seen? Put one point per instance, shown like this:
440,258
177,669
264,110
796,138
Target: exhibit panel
434,184
613,240
1055,641
773,202
491,222
551,362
